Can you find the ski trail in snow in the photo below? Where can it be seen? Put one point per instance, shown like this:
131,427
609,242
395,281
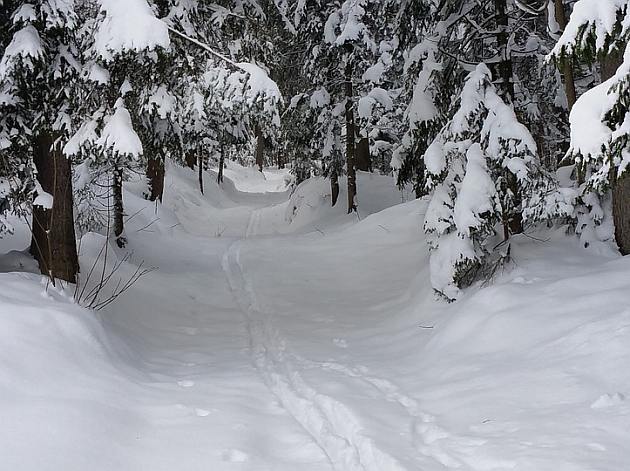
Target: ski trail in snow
330,423
254,223
428,438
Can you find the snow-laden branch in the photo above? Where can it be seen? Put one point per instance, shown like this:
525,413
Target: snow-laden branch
259,82
207,48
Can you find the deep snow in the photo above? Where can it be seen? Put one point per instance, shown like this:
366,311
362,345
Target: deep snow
279,334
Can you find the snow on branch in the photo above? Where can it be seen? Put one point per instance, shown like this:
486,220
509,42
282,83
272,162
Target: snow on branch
129,25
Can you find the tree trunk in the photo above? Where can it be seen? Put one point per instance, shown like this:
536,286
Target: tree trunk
503,69
155,177
260,148
119,210
503,74
334,186
621,212
566,65
40,248
350,136
620,185
190,160
200,164
221,165
54,243
364,160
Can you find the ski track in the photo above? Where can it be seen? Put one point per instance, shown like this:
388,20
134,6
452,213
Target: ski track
429,438
330,423
253,223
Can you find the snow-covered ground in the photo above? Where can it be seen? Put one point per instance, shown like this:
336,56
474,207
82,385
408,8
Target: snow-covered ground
279,334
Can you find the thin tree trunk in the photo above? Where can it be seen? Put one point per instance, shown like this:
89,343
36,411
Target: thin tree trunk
334,186
566,65
54,242
350,137
260,148
155,177
119,210
503,73
221,164
621,212
364,160
200,164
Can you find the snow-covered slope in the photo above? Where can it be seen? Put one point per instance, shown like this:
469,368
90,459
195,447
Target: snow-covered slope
278,334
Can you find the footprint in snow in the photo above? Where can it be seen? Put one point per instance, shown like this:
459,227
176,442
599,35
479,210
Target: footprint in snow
202,412
608,400
234,456
186,383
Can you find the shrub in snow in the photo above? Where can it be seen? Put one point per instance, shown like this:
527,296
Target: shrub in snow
484,176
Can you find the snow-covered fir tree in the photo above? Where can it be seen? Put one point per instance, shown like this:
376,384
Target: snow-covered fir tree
474,208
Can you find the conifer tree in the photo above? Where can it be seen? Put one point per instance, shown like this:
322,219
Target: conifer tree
473,204
37,68
598,31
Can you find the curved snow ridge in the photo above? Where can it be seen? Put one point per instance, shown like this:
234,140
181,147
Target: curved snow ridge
330,423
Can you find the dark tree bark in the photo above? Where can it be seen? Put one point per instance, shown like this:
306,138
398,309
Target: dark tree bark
118,206
350,135
221,164
40,248
155,177
620,185
566,64
53,242
200,164
334,186
364,160
503,74
190,160
260,148
621,212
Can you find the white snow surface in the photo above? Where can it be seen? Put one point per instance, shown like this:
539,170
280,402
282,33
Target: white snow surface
280,334
128,25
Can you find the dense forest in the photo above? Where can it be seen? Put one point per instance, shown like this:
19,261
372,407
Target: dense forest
435,146
466,101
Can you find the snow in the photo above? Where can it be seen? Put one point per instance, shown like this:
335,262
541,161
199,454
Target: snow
599,17
313,342
118,133
25,44
477,194
376,96
128,25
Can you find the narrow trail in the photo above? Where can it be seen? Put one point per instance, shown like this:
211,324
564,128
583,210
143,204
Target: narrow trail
331,424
